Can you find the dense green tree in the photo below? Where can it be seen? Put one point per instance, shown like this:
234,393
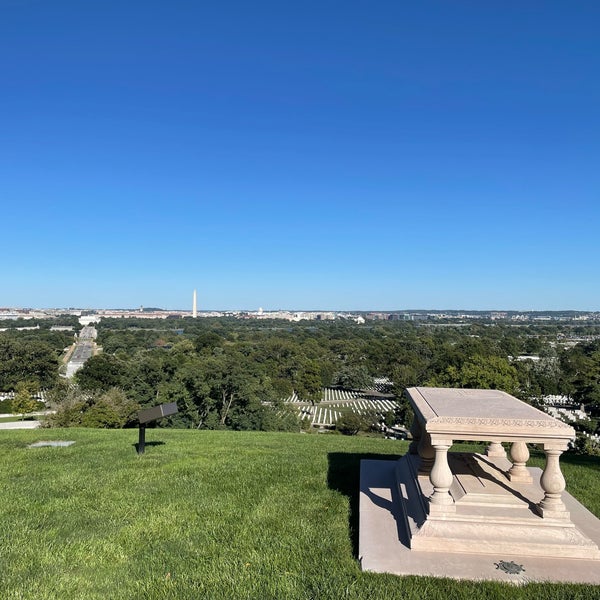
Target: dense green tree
207,341
110,410
23,403
68,403
229,373
74,407
101,373
308,381
407,375
57,340
353,377
581,369
143,376
480,372
26,360
349,423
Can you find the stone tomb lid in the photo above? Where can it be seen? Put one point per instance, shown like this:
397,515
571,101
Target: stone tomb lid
474,413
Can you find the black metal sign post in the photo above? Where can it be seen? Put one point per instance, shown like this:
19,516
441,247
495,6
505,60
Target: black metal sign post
142,440
153,414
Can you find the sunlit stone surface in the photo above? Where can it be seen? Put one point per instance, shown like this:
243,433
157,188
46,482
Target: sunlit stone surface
485,509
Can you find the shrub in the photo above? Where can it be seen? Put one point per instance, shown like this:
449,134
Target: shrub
109,410
585,445
349,423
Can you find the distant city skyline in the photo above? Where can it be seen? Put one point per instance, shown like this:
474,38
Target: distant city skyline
29,311
266,308
436,155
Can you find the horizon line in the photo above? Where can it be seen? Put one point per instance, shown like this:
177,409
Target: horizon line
334,310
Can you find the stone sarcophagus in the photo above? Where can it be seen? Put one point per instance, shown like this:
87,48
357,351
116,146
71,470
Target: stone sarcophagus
482,515
487,501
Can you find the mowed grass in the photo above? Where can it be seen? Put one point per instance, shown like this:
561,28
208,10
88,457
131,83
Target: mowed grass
208,515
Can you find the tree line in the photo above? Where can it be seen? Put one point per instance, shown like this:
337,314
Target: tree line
229,373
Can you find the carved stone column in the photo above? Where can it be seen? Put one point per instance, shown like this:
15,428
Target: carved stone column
441,478
495,450
553,484
519,454
426,452
416,433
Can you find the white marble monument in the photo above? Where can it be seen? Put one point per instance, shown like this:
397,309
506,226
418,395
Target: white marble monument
449,504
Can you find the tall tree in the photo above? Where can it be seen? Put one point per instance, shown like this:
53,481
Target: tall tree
308,382
23,403
26,360
101,373
478,372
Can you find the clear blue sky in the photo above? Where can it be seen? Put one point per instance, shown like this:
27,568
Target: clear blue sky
309,155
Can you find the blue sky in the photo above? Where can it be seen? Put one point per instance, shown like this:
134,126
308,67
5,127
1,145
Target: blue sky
304,155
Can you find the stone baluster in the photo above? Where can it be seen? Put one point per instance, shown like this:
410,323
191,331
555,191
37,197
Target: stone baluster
441,479
553,484
495,450
519,454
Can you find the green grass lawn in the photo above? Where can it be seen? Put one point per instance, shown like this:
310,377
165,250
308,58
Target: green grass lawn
208,515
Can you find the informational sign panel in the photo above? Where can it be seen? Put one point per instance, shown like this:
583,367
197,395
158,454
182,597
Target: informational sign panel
157,412
153,414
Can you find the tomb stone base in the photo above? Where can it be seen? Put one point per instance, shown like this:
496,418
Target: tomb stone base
491,513
494,523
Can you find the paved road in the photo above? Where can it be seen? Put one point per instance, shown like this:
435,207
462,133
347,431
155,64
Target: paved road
20,425
84,349
23,424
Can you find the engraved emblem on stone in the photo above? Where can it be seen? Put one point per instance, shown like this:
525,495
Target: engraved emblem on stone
512,568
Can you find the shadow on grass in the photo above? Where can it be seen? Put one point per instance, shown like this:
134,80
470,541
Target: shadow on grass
137,445
584,460
343,475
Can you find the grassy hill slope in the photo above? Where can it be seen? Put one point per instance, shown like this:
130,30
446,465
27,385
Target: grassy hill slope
207,515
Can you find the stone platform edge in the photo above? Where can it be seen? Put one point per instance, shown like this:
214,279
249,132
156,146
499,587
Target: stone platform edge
384,544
